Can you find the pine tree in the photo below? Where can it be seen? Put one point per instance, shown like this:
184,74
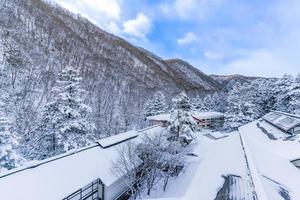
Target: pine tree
208,103
156,105
197,103
281,90
294,96
242,105
8,157
65,124
182,125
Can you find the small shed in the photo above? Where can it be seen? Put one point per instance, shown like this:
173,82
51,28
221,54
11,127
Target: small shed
76,175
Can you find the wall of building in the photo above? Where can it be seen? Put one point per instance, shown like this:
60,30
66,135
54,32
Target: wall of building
115,190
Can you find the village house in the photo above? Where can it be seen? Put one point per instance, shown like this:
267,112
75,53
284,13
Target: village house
206,120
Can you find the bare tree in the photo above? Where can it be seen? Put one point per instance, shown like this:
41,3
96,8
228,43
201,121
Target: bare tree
152,160
127,166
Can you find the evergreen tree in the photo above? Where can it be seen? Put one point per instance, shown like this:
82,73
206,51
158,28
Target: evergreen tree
208,103
294,96
8,157
182,125
280,91
197,103
242,105
65,121
156,105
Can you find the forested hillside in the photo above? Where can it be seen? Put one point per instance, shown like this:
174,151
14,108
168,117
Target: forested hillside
39,40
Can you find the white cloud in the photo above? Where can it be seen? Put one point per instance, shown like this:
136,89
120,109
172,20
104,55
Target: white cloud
138,27
189,38
263,62
104,13
211,55
189,9
185,8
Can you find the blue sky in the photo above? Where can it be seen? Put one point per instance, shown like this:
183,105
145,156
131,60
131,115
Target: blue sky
249,37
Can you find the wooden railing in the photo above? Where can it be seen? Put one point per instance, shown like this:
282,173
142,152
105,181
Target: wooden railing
89,192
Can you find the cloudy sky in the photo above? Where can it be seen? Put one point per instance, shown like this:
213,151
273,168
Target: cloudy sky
250,37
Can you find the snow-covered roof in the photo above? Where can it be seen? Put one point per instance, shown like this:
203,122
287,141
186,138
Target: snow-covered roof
116,139
261,167
271,159
160,117
208,115
203,175
198,115
282,120
58,177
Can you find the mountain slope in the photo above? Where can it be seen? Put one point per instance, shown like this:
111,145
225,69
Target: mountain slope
227,81
193,76
118,76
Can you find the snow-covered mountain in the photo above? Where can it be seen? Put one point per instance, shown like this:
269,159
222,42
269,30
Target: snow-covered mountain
116,74
227,81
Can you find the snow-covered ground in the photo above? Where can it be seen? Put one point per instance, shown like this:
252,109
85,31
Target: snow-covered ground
202,178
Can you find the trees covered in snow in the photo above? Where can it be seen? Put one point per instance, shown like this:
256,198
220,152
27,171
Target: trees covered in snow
294,96
156,105
8,141
280,91
182,125
65,120
241,108
153,160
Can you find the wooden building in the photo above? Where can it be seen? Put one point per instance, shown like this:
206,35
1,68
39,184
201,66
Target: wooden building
209,120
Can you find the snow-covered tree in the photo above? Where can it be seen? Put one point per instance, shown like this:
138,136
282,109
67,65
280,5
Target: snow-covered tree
242,107
156,105
182,125
65,120
197,103
8,141
280,90
294,96
148,162
208,103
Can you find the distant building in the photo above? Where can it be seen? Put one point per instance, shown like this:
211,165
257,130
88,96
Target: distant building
162,120
209,120
286,122
83,174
